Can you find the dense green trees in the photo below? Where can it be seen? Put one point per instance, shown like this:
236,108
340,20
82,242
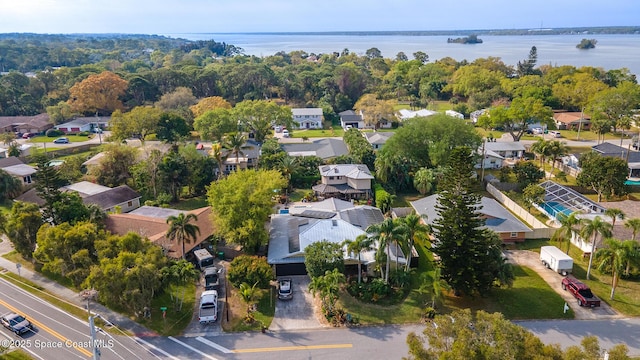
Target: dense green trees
242,203
21,227
604,174
323,256
470,254
250,269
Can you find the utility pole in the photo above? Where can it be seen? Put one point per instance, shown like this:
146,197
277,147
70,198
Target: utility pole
484,141
94,342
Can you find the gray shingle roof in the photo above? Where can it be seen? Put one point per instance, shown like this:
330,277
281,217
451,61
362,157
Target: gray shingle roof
322,148
112,197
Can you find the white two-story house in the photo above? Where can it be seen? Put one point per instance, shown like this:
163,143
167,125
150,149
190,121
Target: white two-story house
308,118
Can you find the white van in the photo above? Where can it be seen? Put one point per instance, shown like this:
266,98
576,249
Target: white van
555,134
204,258
285,133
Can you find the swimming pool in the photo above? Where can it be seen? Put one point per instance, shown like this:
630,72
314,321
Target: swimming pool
553,208
632,182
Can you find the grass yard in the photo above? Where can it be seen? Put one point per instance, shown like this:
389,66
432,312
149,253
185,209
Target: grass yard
176,320
319,133
72,138
16,355
237,310
191,203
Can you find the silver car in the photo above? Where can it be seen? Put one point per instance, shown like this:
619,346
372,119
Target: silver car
16,323
285,291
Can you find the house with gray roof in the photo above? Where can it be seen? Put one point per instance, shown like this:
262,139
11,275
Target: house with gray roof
330,220
308,118
496,217
25,124
84,124
500,153
325,148
351,119
378,138
632,157
19,170
345,181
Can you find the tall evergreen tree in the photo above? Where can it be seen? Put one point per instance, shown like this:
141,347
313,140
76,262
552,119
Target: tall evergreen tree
466,249
47,187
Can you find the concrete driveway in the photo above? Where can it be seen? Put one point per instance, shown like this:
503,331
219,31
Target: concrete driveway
299,312
531,260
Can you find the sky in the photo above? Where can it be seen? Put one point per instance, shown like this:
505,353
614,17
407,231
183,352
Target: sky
221,16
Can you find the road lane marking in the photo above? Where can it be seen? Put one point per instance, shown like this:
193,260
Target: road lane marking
214,345
191,348
155,348
294,348
48,329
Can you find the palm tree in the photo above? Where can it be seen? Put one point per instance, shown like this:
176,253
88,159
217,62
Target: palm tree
234,143
416,230
634,225
181,230
614,214
288,165
556,150
360,244
328,286
541,149
613,257
181,272
385,233
423,180
10,187
568,225
248,293
593,228
218,156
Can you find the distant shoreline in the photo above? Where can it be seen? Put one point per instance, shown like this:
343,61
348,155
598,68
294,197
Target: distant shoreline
617,30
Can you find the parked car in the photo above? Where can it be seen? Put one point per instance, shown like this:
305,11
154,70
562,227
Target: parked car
211,278
61,140
580,291
555,134
28,135
208,312
16,323
285,133
285,292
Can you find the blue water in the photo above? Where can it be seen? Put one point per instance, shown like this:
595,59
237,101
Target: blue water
632,182
554,208
284,211
611,52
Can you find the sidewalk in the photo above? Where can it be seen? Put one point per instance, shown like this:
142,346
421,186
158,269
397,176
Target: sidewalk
69,295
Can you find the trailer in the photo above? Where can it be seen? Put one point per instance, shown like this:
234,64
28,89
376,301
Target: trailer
554,259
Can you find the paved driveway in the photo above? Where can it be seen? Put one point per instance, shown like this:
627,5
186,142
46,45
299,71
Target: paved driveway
531,260
299,312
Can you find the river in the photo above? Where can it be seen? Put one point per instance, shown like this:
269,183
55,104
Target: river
611,52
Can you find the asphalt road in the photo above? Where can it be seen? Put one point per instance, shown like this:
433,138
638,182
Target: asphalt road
58,335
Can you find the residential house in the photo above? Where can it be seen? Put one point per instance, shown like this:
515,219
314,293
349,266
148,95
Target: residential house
121,198
568,120
247,158
19,170
454,114
500,153
325,148
308,118
351,119
345,181
630,156
496,217
475,115
84,124
330,220
378,138
25,124
151,222
404,114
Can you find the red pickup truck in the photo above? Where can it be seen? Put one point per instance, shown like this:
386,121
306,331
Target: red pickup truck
580,291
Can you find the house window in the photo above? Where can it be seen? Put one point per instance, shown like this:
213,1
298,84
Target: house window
27,179
130,204
330,177
514,234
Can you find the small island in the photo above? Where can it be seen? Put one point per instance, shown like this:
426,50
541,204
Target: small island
587,44
471,39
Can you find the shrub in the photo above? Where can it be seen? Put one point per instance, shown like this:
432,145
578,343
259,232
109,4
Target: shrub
54,133
251,270
83,133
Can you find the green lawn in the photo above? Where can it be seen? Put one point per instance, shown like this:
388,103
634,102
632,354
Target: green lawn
191,203
72,138
16,355
176,319
266,301
337,131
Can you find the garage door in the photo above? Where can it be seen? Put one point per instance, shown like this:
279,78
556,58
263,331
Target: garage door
290,269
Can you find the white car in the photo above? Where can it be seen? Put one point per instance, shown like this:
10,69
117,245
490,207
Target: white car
285,133
285,292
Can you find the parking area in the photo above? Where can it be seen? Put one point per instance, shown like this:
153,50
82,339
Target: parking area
298,313
531,260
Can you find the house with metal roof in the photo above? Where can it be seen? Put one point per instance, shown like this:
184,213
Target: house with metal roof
405,114
330,220
345,181
84,124
499,153
308,118
496,217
